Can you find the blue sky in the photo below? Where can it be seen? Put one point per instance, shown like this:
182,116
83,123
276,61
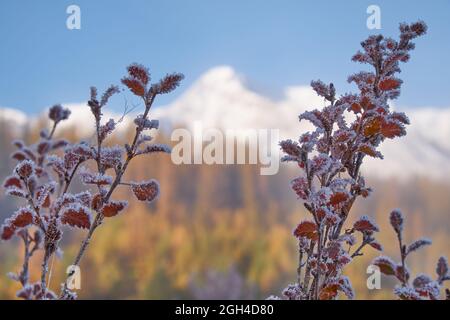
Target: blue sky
273,43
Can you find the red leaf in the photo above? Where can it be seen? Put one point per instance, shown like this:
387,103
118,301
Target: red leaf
21,218
389,84
113,208
369,150
386,265
139,72
338,197
307,229
374,244
401,273
391,129
442,267
135,86
329,291
76,216
364,224
7,232
146,191
355,107
12,181
372,127
96,202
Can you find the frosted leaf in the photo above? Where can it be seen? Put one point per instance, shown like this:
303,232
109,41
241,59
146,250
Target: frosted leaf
386,265
406,293
143,138
307,229
376,245
57,113
19,156
26,292
88,177
291,148
152,148
418,244
106,129
43,194
21,218
43,147
301,188
308,140
313,117
13,276
14,191
167,84
288,159
144,123
111,157
320,164
76,215
146,190
396,219
366,225
421,280
25,169
370,150
84,198
321,197
60,143
323,90
113,208
12,181
346,287
7,231
57,164
348,238
18,143
442,267
82,150
292,292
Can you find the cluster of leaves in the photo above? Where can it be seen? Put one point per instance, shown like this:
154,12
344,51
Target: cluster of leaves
349,129
46,170
423,286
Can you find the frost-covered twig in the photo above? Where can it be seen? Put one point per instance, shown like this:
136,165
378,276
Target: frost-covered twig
331,157
423,286
46,170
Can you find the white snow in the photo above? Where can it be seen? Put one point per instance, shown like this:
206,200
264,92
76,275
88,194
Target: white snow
220,99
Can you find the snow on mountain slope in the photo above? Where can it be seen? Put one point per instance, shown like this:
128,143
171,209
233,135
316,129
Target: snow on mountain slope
220,99
16,117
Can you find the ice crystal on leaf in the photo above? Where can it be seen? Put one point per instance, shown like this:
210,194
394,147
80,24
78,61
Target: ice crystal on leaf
45,172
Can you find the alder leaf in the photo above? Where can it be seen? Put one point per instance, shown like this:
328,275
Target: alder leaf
113,208
391,129
21,218
307,229
365,224
442,267
12,181
386,265
76,215
418,244
6,232
146,190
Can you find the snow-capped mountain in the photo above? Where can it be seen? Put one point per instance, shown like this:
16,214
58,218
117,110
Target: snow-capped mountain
221,99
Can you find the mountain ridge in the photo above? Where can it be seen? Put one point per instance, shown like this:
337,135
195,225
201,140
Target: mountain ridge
221,99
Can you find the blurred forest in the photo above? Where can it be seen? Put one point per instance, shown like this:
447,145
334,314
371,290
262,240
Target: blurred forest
219,232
